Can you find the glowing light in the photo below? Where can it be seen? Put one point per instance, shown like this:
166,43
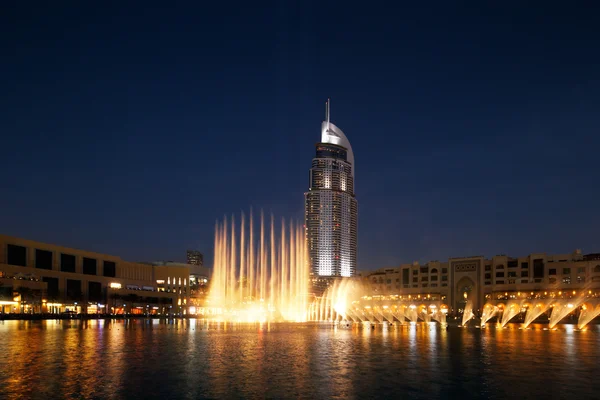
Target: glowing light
261,274
115,285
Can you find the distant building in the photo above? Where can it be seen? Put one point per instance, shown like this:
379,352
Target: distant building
194,257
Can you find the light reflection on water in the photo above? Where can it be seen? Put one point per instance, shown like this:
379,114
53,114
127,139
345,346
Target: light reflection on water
193,359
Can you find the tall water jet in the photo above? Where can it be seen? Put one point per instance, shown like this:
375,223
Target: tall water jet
259,280
588,313
489,311
468,313
535,310
511,309
561,309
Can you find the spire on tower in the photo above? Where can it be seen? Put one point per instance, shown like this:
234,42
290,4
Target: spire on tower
327,111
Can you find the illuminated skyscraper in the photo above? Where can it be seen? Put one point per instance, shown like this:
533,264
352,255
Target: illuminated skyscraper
330,205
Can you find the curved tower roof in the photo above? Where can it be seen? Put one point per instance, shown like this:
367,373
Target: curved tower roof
334,135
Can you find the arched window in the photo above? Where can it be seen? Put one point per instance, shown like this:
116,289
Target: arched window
434,271
597,268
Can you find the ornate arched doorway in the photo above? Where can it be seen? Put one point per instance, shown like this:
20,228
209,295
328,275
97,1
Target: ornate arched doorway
464,290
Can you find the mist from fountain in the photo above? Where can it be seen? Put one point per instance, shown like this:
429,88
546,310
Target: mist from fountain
535,310
467,313
489,311
511,309
588,313
257,277
562,308
411,313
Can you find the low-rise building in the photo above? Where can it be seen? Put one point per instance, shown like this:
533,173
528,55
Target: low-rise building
38,277
481,279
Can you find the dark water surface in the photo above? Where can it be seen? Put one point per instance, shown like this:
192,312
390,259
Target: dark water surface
193,360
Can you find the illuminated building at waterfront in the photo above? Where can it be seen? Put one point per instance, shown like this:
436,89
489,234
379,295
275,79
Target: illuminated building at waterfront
38,277
331,208
503,287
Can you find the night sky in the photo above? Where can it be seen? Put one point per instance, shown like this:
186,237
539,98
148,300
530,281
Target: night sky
129,131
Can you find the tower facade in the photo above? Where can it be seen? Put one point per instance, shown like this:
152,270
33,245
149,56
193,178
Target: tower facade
331,210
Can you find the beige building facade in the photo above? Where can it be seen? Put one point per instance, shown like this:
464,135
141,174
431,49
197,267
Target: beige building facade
481,280
37,277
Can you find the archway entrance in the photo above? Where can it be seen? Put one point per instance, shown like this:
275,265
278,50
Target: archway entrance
463,291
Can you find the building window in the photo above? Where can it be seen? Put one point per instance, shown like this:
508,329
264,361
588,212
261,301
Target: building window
52,287
597,268
43,259
524,265
566,280
499,282
488,267
415,272
67,263
434,278
580,279
415,279
424,270
538,268
551,280
16,255
511,281
89,266
444,278
501,266
424,285
524,274
566,270
581,270
73,289
552,271
499,274
487,283
444,270
512,264
95,291
488,276
110,269
512,274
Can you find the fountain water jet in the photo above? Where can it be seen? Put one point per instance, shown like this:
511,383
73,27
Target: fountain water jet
489,311
588,313
511,309
562,308
467,313
535,310
242,289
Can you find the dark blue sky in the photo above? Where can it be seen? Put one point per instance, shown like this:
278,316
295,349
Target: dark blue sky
129,131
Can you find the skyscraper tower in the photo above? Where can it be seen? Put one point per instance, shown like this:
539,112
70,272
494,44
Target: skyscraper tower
331,210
